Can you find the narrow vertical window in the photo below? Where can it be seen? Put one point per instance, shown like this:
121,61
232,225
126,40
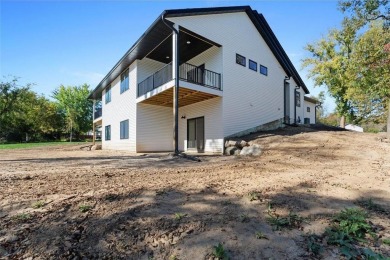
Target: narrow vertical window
264,70
125,81
107,133
308,109
124,129
108,95
298,98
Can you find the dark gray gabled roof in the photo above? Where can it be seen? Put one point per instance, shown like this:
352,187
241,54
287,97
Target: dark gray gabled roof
158,31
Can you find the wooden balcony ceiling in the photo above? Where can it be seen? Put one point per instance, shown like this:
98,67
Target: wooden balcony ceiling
186,97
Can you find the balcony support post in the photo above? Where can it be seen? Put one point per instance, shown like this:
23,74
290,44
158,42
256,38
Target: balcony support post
175,76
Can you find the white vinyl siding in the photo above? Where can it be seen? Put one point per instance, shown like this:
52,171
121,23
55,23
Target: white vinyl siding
311,114
121,107
155,126
249,99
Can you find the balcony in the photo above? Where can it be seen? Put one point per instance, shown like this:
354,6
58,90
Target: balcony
187,72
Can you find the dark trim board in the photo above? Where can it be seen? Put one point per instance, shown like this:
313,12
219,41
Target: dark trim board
158,31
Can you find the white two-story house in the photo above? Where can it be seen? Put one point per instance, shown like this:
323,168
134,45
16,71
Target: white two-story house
196,77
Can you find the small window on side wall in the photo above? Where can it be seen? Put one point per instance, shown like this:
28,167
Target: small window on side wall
107,133
253,65
124,129
125,81
298,98
263,70
240,60
308,109
108,95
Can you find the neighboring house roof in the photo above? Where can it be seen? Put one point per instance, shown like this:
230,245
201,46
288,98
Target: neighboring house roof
311,100
158,31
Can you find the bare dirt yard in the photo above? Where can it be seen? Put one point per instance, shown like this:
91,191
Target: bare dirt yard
66,203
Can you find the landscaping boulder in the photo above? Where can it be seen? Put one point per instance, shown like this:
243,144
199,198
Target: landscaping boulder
253,150
230,143
232,150
96,147
241,144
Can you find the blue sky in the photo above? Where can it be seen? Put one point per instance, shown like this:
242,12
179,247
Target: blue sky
50,43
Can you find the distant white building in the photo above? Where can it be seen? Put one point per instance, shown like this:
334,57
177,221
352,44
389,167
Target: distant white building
195,77
354,128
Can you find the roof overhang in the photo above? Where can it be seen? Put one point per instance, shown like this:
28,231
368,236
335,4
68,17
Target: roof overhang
158,32
311,100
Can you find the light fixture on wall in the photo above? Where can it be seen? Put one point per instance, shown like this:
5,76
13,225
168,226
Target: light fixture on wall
183,117
167,57
188,42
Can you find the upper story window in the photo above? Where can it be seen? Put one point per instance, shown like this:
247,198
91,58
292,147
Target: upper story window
125,81
108,95
308,109
124,129
253,65
240,60
298,98
264,70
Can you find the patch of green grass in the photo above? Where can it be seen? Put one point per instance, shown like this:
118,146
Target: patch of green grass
219,252
85,208
386,241
260,235
349,228
292,220
33,145
38,204
22,216
179,216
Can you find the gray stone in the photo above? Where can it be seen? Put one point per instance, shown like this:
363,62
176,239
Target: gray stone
231,150
241,144
253,150
9,239
96,147
230,143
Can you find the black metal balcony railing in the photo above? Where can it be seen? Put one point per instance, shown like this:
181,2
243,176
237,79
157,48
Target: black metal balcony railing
159,78
187,72
97,113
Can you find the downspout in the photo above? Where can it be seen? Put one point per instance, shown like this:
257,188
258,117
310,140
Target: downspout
176,88
295,104
284,99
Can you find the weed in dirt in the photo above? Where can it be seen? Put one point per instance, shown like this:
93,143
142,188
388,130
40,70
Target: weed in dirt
173,257
161,192
254,195
179,216
350,227
260,235
111,197
314,244
244,218
38,204
226,203
386,241
370,205
292,220
85,208
22,217
219,252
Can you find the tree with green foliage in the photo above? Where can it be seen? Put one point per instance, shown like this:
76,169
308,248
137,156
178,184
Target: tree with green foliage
25,116
353,61
76,108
